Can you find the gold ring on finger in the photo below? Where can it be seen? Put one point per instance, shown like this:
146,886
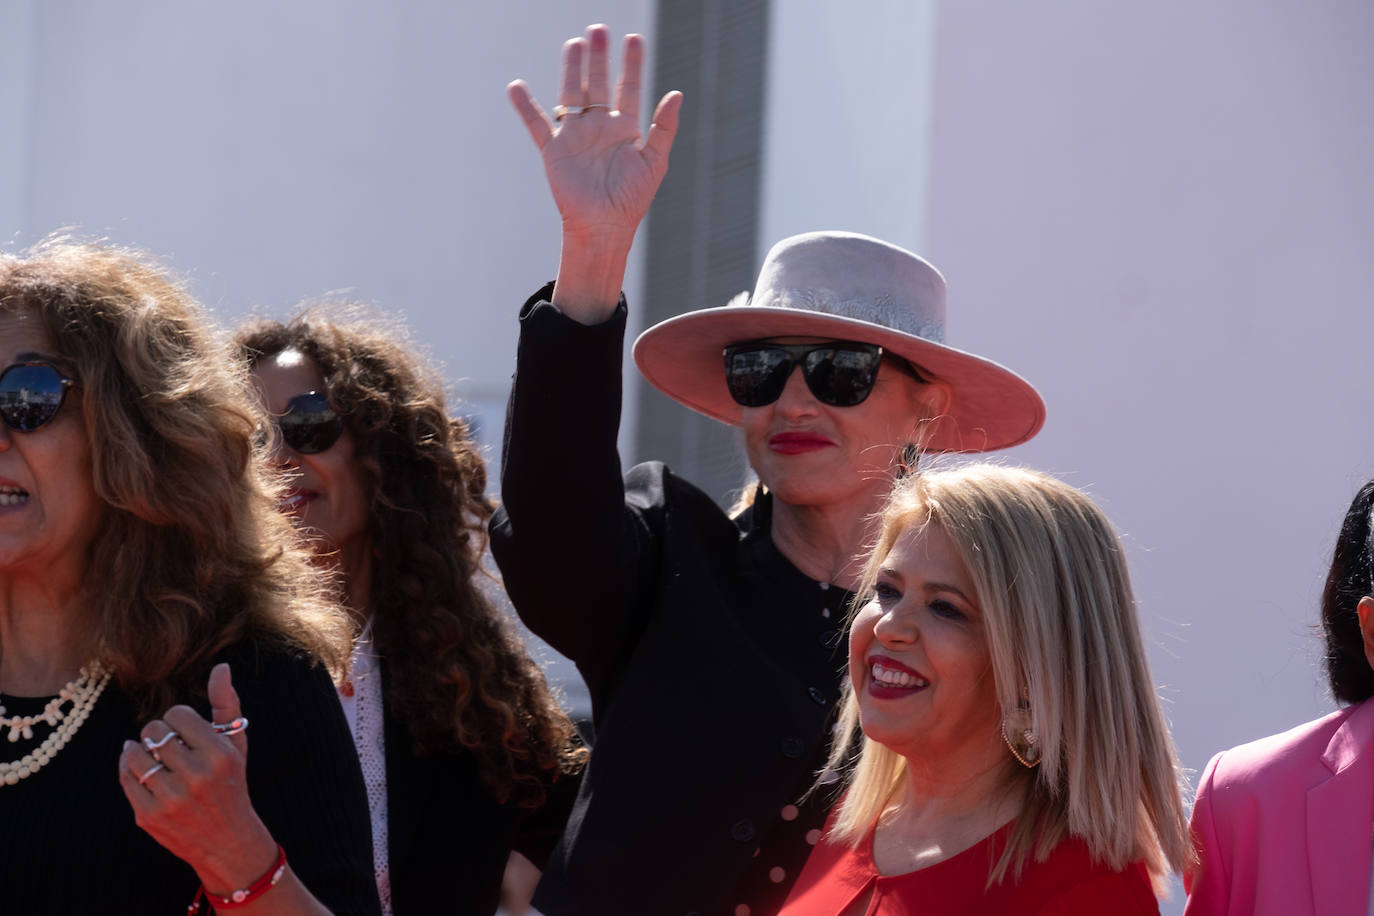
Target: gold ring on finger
562,111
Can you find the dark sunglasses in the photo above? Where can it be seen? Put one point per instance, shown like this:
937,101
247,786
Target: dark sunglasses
839,373
309,424
31,394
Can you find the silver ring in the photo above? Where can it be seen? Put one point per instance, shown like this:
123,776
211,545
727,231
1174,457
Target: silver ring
149,774
233,726
154,746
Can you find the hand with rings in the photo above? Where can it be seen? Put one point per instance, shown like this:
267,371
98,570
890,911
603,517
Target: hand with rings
153,747
234,727
602,172
185,779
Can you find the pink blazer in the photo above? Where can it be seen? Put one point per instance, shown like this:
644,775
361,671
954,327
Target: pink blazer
1283,825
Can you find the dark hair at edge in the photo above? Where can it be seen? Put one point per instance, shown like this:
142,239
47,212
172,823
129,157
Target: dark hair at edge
459,675
1350,579
191,555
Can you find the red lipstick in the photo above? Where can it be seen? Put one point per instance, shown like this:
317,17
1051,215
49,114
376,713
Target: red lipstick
889,679
798,443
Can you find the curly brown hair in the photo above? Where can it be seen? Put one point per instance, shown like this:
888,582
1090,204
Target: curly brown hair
191,555
459,675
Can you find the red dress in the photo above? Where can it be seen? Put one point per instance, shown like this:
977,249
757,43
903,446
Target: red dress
1068,883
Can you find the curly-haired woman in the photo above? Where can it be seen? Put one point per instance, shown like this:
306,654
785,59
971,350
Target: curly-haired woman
139,551
462,745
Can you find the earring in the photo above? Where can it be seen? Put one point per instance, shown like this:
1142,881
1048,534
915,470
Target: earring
1019,737
908,460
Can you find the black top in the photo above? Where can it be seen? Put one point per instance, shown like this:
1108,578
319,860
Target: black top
448,838
68,842
713,663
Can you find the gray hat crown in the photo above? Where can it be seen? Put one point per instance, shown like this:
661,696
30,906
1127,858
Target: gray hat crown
853,276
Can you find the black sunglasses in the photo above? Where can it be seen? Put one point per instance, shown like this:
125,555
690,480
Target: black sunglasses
839,373
31,394
309,424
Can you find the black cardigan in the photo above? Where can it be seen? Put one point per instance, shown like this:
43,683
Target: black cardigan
712,694
448,838
68,842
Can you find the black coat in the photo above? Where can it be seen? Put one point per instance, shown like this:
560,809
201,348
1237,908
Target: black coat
448,838
712,694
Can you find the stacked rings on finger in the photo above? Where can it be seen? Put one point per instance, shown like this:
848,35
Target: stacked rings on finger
233,726
154,746
562,111
155,768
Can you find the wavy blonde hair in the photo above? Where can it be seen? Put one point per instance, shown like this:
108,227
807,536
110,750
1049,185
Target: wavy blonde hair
191,555
1050,575
459,674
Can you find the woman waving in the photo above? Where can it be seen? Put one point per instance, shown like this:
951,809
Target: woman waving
710,642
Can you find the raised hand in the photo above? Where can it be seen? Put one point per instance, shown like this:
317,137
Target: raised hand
603,173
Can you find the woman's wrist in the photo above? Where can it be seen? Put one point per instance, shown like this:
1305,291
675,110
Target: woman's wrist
242,896
591,273
231,865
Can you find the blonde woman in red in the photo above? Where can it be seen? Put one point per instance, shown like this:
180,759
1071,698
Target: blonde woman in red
1012,757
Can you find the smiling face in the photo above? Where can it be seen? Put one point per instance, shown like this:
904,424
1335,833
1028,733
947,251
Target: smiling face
919,659
49,510
330,490
811,454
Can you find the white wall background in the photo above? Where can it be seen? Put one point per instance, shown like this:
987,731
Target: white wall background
847,123
1162,214
278,150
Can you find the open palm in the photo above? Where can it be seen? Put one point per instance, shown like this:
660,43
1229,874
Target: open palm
603,173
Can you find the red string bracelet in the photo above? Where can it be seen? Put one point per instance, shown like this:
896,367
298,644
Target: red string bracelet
242,896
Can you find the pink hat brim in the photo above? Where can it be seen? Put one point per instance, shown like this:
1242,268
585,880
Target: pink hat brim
991,407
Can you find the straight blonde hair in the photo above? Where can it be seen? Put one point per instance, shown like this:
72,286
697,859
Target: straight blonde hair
1051,580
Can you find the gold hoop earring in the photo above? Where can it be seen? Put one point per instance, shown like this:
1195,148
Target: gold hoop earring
1020,737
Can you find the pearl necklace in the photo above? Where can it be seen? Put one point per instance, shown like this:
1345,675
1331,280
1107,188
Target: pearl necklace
82,694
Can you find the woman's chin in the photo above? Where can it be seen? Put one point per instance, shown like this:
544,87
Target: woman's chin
828,486
806,489
889,734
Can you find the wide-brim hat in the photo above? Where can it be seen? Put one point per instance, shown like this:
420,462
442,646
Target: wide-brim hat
844,286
